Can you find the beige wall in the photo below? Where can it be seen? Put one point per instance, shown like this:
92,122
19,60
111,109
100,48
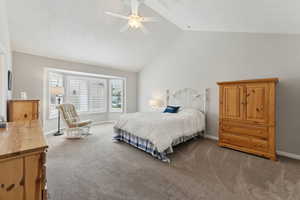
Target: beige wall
199,59
28,73
5,57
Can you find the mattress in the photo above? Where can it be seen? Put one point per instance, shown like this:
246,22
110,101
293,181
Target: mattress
162,129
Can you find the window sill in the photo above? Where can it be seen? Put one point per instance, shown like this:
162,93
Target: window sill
89,113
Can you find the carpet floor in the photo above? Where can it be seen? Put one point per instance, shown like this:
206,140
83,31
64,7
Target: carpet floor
95,168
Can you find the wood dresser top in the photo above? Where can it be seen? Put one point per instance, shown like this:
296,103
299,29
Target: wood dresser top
21,137
22,100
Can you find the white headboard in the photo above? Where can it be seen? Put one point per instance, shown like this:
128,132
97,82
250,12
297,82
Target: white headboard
188,98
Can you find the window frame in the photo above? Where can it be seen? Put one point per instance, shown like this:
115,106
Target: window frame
107,92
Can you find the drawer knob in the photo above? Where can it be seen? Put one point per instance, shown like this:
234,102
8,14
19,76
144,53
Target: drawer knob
10,187
25,116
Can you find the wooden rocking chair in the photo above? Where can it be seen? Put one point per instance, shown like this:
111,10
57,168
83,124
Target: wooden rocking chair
76,127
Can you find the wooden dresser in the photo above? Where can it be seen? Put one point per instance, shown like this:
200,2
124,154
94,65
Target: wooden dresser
247,116
23,110
22,162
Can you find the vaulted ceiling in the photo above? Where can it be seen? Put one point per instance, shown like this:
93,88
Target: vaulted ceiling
256,16
80,31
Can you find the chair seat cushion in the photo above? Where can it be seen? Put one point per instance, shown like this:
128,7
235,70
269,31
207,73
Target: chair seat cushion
81,123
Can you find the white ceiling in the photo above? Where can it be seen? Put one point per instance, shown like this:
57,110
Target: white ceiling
258,16
80,31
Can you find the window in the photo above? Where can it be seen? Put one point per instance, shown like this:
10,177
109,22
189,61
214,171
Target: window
87,94
116,95
54,80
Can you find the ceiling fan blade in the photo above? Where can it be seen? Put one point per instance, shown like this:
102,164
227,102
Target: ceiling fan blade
117,15
144,29
135,7
150,19
124,28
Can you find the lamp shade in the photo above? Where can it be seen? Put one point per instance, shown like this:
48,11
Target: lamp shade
156,103
58,91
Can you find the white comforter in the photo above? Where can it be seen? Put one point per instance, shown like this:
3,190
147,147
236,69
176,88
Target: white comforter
162,128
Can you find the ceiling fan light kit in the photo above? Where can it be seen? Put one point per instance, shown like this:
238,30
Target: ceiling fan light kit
135,21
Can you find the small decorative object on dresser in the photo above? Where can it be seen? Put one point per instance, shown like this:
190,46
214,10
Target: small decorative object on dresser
23,96
247,116
23,110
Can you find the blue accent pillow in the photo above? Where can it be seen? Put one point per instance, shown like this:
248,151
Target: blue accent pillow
172,109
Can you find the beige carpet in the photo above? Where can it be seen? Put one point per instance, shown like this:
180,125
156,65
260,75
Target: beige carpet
95,168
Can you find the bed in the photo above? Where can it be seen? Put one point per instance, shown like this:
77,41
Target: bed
157,132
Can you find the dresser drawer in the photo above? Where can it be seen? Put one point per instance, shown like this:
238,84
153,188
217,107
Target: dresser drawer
235,140
261,132
244,141
23,110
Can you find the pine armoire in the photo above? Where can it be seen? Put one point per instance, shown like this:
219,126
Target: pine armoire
247,120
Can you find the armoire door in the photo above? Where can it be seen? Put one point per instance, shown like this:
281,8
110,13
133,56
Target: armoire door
232,102
256,102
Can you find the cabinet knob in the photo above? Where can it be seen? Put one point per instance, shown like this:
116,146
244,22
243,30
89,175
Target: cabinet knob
22,182
25,116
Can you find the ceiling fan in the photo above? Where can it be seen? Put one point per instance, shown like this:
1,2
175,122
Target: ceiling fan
135,21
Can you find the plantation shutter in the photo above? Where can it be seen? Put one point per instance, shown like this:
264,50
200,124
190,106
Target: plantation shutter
78,93
97,95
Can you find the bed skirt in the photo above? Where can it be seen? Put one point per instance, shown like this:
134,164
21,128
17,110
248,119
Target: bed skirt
146,145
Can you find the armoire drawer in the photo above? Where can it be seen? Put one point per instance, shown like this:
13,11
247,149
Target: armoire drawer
260,145
236,140
261,132
244,141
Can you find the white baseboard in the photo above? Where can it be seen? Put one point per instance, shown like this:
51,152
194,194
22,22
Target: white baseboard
280,153
212,137
289,155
